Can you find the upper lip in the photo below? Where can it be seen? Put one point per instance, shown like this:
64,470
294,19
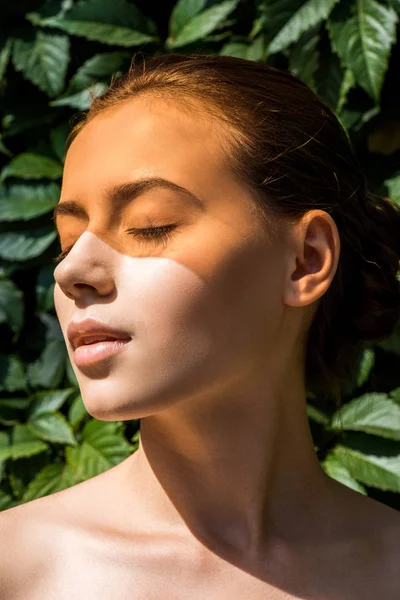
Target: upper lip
78,331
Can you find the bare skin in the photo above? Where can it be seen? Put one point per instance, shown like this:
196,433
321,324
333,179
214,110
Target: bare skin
225,497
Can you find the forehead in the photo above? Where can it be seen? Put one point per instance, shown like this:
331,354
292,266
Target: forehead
146,136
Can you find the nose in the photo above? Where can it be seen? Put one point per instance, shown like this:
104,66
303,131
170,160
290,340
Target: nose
86,269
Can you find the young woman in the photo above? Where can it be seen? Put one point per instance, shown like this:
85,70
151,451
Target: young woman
221,255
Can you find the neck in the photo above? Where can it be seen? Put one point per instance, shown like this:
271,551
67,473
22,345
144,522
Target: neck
234,472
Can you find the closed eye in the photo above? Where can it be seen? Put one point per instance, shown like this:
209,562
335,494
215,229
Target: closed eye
161,233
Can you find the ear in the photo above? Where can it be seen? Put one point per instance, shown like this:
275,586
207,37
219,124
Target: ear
314,256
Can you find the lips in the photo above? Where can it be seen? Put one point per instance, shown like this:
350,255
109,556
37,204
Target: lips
97,353
92,339
91,331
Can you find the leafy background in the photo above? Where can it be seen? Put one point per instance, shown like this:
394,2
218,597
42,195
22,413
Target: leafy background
54,56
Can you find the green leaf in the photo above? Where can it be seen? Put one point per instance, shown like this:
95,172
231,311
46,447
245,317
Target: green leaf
48,401
5,47
70,374
356,118
392,343
5,443
202,24
16,403
51,479
77,411
395,4
381,472
238,49
373,413
115,23
15,480
304,58
9,415
16,120
10,410
300,20
32,166
52,427
3,148
58,138
257,49
97,67
25,202
12,373
24,444
47,371
81,100
45,289
103,447
316,415
365,366
52,324
43,61
395,395
334,83
22,245
50,8
363,34
182,13
361,372
254,51
393,187
107,438
347,83
11,305
135,439
7,501
335,469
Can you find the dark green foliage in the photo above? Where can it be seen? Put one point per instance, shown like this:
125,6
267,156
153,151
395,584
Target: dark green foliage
54,56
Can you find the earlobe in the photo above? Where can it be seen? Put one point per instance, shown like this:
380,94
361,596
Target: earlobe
316,249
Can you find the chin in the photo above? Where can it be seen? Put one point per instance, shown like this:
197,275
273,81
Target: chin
110,399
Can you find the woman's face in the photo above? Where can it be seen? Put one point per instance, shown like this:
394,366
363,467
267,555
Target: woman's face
201,307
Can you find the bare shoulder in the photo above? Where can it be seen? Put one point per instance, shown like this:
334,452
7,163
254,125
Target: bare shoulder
19,556
33,537
385,526
371,547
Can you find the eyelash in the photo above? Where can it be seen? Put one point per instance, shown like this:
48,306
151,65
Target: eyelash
160,234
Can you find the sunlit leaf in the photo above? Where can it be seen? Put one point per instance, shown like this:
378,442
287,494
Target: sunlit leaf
43,61
335,469
362,34
51,479
373,413
182,13
376,471
11,305
25,202
300,19
32,166
24,443
202,24
52,427
118,22
22,245
12,373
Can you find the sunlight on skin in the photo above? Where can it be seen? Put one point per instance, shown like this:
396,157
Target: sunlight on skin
215,367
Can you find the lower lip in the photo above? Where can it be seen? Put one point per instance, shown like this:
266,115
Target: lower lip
90,354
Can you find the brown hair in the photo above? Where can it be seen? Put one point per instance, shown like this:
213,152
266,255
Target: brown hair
289,149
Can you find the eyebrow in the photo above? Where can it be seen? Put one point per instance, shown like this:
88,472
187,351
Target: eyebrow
124,193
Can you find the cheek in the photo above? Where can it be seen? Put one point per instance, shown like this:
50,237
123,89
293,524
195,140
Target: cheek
191,333
160,295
